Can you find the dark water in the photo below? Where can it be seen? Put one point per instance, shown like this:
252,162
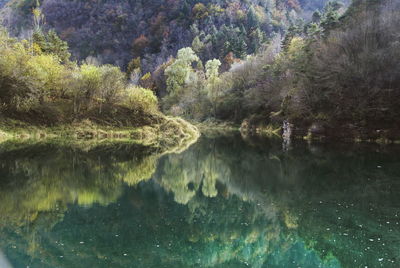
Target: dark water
224,202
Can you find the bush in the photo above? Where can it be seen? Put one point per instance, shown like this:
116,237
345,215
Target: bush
140,99
38,84
27,79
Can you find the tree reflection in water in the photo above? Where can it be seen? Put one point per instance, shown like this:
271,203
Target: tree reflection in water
224,202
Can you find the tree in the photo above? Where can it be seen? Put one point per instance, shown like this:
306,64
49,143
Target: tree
213,89
330,18
27,79
179,71
290,34
228,60
241,49
57,46
197,45
39,41
50,43
38,17
256,40
89,83
139,45
134,69
212,71
294,4
140,99
314,30
147,81
252,19
316,17
113,81
200,11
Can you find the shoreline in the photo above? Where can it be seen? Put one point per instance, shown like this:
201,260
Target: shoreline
171,133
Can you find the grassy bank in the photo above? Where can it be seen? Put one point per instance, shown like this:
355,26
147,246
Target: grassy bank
167,133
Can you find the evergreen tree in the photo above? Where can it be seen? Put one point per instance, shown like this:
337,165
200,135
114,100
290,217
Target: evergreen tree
241,50
316,17
197,45
291,32
331,16
257,38
57,46
252,19
50,43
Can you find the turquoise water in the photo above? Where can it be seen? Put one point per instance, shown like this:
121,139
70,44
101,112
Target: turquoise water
224,202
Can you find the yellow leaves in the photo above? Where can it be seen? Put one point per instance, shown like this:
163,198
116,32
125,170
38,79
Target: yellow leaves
141,99
38,17
36,49
37,12
37,76
45,64
296,45
296,53
90,79
24,61
134,66
215,9
47,71
260,13
144,170
90,72
293,55
200,11
240,14
290,220
147,76
88,198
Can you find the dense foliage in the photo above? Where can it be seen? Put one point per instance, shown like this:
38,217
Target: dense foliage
38,80
257,61
117,31
336,70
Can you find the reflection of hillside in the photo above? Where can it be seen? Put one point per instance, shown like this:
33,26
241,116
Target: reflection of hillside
214,228
47,176
161,233
304,188
213,167
220,203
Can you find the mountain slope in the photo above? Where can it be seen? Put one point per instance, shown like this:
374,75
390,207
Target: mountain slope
116,31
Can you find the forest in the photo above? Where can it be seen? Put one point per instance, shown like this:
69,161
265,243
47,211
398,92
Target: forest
199,133
317,66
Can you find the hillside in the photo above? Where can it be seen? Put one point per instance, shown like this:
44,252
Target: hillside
337,78
116,31
255,63
43,93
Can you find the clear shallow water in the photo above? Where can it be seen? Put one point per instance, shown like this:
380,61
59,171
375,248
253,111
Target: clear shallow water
224,202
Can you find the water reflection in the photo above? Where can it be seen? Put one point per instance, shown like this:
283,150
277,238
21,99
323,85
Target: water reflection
224,202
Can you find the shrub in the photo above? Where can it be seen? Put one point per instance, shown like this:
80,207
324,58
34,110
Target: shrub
26,79
140,99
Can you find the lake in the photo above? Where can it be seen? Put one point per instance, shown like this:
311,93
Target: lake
226,201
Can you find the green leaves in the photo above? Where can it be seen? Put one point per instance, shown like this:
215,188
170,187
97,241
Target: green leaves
50,43
140,99
179,71
31,79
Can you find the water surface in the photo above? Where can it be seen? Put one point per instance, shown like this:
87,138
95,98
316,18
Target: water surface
224,202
